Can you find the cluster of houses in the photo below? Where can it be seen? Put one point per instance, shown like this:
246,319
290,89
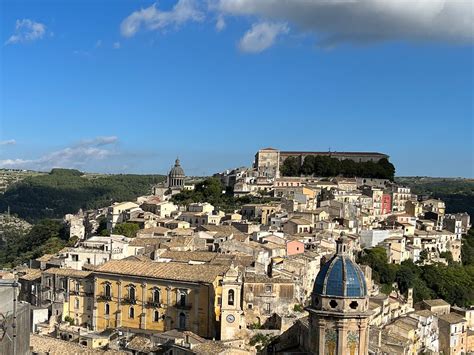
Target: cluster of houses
195,279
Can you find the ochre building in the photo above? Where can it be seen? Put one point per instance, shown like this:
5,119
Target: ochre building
145,295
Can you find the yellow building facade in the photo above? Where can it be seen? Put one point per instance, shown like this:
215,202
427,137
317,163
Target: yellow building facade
142,295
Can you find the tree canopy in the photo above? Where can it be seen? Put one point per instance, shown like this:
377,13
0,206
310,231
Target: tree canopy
18,246
127,229
327,166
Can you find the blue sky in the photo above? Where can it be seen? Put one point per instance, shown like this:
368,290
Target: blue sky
126,86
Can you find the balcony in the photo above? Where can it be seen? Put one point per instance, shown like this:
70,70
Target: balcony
128,300
104,298
185,307
153,304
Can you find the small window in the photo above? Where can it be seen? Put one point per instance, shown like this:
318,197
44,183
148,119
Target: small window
76,303
156,296
107,290
268,288
131,313
107,309
156,316
333,304
131,293
354,305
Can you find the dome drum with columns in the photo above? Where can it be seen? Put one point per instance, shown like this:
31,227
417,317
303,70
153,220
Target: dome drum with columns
338,314
176,176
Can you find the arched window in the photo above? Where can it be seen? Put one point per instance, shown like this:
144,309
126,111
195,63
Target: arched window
131,293
76,303
156,316
182,321
107,309
107,290
230,298
131,313
156,295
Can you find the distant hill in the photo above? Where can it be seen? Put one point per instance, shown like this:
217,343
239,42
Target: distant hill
65,191
458,193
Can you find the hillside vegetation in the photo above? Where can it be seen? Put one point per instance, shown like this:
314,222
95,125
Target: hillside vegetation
18,244
65,191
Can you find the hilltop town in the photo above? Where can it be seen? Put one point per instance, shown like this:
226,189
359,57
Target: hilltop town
304,252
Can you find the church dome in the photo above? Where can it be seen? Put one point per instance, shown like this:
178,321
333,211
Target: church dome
177,170
340,276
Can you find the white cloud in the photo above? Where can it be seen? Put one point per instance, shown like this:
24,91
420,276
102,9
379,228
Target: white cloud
220,23
116,45
75,156
336,21
8,142
152,18
261,36
26,31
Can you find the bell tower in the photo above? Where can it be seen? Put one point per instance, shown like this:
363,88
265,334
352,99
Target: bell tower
232,315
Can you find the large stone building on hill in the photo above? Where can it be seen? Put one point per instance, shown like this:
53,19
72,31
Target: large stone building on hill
268,160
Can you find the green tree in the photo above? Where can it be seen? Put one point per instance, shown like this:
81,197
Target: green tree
382,271
260,341
308,167
406,276
290,167
423,256
448,256
127,229
467,248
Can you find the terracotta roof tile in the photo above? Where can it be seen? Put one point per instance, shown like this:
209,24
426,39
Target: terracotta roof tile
169,271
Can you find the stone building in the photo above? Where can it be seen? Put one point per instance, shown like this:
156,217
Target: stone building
267,162
68,292
339,312
149,296
264,296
